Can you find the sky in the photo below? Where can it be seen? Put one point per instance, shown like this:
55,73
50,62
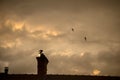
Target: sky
26,26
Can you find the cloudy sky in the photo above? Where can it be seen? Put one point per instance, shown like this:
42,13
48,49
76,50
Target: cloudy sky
29,25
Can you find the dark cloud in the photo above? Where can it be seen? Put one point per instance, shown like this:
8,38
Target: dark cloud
106,61
111,62
73,64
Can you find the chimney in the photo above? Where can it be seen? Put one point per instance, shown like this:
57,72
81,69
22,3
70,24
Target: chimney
42,62
6,70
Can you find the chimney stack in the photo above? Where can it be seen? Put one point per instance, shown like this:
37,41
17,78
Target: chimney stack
42,62
6,70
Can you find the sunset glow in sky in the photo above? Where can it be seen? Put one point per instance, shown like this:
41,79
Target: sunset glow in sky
29,25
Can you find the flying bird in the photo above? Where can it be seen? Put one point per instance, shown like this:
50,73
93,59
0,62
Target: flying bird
85,38
73,29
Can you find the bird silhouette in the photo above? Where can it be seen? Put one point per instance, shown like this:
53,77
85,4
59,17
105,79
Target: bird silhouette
85,38
73,29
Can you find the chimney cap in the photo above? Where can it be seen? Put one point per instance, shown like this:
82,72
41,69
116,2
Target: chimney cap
6,67
40,51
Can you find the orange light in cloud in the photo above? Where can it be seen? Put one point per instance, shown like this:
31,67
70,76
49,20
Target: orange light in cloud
53,33
82,54
96,72
18,26
43,32
14,24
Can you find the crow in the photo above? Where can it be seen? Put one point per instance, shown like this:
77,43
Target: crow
85,38
73,29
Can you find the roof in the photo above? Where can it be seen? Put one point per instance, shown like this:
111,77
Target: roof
56,77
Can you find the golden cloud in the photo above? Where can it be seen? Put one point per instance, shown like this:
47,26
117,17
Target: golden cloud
96,72
15,25
10,44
